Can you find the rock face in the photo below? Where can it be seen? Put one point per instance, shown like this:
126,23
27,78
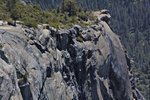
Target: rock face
68,64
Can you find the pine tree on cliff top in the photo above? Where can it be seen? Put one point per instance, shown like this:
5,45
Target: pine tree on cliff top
70,7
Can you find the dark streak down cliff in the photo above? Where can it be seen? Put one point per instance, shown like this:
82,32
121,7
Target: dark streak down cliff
68,64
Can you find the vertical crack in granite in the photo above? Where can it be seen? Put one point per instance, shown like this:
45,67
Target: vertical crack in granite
41,90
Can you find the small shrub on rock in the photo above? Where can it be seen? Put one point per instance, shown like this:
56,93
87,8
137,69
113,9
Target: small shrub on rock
79,39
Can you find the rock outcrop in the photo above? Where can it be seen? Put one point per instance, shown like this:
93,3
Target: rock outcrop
68,64
103,15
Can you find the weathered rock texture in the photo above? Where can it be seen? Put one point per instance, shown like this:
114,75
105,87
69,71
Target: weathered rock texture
68,64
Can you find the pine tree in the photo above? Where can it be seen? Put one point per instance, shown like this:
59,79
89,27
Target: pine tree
69,6
11,4
13,11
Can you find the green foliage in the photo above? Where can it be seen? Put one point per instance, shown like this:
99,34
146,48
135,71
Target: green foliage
65,16
130,19
30,22
26,75
3,16
21,81
3,10
1,47
15,14
69,6
83,16
55,25
79,39
11,22
10,4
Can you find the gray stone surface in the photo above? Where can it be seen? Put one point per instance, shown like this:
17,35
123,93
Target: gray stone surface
40,64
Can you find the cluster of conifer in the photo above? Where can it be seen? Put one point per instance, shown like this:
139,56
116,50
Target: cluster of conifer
68,13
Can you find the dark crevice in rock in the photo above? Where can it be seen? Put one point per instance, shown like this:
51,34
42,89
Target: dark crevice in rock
1,79
48,72
106,19
104,91
63,41
128,61
72,51
41,90
14,41
104,69
89,54
70,41
1,97
81,75
117,85
39,47
3,32
2,56
113,78
99,51
45,41
21,78
24,86
56,69
92,83
96,39
66,74
26,92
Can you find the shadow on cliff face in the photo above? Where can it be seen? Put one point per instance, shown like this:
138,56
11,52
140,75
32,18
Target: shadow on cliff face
2,55
26,92
92,67
24,86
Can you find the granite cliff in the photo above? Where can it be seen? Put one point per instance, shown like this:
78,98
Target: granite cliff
68,64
